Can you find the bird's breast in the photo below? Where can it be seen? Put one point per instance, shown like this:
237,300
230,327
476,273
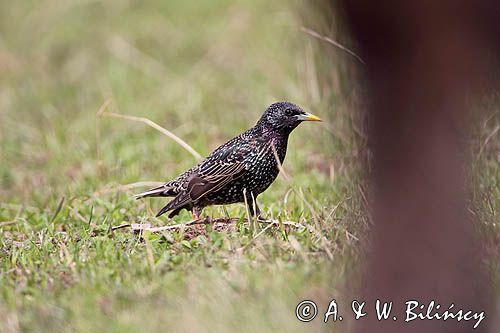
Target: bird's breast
265,168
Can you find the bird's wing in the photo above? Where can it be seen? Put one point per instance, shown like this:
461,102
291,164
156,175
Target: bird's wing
221,167
217,168
225,164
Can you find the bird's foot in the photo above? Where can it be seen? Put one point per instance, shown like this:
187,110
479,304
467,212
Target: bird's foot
196,216
198,226
261,218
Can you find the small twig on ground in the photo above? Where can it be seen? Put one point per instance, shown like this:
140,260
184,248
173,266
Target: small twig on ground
331,41
102,112
207,220
6,223
141,227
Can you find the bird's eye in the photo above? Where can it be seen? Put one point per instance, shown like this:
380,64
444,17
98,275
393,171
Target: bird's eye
288,112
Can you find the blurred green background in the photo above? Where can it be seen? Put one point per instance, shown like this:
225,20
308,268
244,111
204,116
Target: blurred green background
205,70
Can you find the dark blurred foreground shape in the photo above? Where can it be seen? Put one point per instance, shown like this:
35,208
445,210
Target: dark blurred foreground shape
423,59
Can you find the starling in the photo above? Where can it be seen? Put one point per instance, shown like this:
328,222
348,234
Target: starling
237,171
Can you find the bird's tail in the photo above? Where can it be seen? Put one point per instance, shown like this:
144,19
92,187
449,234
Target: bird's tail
166,209
176,205
160,191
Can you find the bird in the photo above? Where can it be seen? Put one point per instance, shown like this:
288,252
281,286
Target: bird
237,171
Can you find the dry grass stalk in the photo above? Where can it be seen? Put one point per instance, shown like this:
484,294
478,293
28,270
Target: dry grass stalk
333,42
102,112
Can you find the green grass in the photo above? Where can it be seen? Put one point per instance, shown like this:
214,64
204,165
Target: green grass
205,70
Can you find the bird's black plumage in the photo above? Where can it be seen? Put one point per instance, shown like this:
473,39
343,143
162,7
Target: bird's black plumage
240,169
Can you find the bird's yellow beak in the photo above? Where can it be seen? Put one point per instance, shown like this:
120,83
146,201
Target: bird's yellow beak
309,117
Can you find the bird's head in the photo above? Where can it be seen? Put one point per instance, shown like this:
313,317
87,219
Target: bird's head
284,116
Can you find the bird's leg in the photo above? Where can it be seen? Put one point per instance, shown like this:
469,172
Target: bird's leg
253,207
258,214
196,215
